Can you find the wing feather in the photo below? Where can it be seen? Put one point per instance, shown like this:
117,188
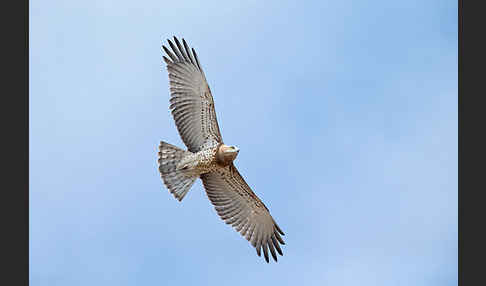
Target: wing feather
170,54
237,205
188,51
197,59
272,250
176,51
277,246
191,101
265,251
186,58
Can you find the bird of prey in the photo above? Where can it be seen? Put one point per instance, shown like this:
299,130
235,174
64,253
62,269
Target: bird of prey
207,157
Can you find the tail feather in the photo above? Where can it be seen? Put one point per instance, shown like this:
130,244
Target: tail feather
176,181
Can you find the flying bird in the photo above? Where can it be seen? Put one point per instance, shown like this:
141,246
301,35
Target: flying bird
207,157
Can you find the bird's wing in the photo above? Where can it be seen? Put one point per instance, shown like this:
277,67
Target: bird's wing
191,101
237,205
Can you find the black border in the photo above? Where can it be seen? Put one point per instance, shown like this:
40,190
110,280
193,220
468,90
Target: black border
471,143
459,133
14,119
461,280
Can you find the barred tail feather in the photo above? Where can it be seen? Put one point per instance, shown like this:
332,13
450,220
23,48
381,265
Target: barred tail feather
176,181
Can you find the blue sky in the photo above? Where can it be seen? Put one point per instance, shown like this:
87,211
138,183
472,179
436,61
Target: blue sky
351,104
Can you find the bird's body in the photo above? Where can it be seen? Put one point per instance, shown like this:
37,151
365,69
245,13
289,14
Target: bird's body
208,157
203,161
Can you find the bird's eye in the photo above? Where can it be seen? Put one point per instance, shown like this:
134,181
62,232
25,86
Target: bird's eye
233,147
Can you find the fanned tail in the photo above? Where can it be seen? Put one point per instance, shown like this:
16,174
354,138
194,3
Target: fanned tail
177,181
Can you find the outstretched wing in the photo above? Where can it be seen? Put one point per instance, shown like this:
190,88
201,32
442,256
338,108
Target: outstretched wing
237,205
191,101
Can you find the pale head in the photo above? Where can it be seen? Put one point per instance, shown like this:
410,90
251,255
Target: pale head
226,154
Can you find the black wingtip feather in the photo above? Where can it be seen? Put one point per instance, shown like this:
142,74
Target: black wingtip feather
169,53
166,60
181,50
272,251
265,252
197,59
279,238
188,51
175,50
277,246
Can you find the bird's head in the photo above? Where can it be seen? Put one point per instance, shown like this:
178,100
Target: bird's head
226,154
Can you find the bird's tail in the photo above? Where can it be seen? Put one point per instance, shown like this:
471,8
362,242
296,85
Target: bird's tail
177,181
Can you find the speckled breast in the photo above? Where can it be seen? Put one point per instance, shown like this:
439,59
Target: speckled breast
206,160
